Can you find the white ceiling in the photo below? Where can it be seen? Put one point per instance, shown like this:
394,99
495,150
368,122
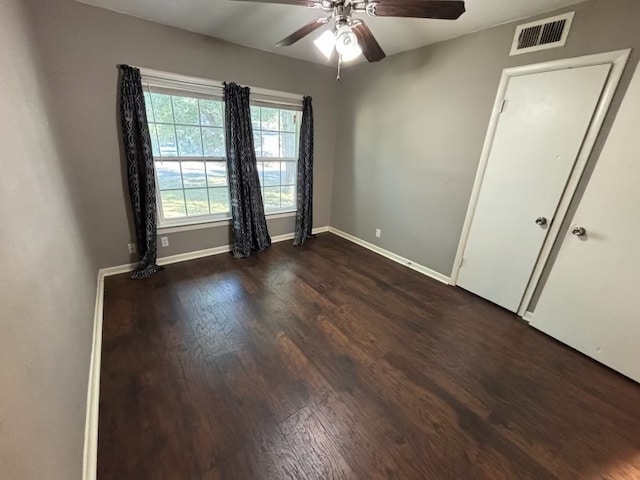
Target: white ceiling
260,26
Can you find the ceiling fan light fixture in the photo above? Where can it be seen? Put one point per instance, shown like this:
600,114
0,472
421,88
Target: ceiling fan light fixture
347,44
326,43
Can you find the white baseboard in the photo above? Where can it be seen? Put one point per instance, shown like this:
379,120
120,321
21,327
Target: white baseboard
528,316
118,269
207,252
90,455
183,257
290,236
392,256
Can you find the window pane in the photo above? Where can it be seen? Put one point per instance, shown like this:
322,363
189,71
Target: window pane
288,145
270,146
213,139
217,174
167,140
173,204
211,113
155,149
185,110
257,143
219,200
288,197
269,117
193,174
197,201
162,110
255,117
271,198
287,121
271,173
147,105
168,174
189,141
288,173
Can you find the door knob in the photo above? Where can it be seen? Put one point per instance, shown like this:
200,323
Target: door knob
542,221
578,231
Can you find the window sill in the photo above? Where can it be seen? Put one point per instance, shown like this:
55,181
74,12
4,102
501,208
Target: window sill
163,230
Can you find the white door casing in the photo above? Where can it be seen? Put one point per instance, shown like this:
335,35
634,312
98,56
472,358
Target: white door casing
591,300
539,135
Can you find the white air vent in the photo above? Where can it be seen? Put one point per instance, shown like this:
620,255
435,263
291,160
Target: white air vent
543,34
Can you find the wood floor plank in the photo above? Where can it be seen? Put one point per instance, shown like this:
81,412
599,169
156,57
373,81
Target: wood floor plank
265,449
320,456
368,442
330,362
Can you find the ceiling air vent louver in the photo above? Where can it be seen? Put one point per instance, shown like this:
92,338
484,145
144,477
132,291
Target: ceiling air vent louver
543,34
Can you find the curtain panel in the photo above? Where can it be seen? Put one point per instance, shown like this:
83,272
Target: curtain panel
140,170
250,232
304,213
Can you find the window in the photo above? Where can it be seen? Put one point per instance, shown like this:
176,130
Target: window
188,143
187,138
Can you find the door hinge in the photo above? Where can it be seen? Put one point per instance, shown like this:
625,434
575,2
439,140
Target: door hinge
504,105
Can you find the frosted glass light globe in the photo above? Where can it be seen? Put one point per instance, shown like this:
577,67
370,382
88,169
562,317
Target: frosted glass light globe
347,44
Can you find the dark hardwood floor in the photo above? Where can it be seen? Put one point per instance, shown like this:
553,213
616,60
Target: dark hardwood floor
330,362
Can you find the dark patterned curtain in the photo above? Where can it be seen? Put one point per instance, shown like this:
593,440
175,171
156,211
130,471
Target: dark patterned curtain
304,215
249,223
140,171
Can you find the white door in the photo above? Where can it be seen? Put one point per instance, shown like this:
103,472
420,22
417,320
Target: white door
537,140
591,300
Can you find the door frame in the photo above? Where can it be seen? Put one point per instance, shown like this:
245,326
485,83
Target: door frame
618,60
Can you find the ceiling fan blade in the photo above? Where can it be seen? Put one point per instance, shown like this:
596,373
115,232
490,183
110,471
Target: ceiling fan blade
440,9
302,32
371,49
302,3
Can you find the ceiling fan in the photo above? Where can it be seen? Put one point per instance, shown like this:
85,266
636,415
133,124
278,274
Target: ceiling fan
351,36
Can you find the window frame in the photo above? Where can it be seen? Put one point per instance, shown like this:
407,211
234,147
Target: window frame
213,89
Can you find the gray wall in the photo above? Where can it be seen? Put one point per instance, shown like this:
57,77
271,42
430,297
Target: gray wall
63,204
81,46
47,274
411,129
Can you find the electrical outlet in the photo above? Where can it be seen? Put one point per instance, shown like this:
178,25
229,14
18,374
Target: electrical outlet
378,232
132,248
164,241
